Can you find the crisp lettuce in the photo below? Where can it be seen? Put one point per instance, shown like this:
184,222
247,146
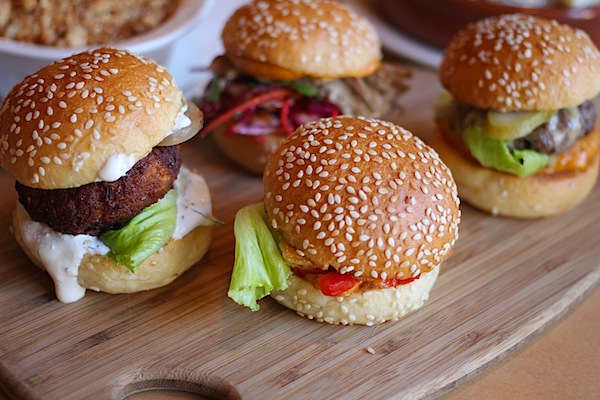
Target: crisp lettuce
259,267
213,92
496,154
144,234
302,87
495,151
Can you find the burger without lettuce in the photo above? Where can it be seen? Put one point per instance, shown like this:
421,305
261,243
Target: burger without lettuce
358,216
104,202
290,62
517,124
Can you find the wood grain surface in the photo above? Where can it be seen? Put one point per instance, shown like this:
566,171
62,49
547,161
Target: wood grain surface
506,281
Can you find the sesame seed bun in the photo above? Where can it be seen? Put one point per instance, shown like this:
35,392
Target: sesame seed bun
285,39
521,62
544,194
96,134
62,124
373,307
102,274
364,197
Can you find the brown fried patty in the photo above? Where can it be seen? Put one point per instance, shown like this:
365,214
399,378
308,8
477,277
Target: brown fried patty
96,207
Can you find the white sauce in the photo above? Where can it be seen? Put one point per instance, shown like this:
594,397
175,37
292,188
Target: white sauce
115,167
118,165
60,254
181,120
194,205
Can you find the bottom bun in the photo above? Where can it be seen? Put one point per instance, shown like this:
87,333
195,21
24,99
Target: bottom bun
366,308
102,274
161,268
249,152
507,195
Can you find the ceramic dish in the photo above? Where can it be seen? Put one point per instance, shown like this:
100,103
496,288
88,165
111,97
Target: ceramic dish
18,59
435,21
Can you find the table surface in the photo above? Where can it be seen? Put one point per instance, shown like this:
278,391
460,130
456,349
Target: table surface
560,363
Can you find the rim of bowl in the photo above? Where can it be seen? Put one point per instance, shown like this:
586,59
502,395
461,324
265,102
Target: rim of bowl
588,12
188,13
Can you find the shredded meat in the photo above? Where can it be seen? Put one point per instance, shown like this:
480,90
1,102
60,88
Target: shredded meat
375,95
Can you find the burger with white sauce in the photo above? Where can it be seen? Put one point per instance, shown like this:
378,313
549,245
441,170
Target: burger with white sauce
104,201
290,62
358,216
517,124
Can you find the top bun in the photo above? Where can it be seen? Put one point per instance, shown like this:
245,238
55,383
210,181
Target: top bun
519,62
60,126
289,39
363,196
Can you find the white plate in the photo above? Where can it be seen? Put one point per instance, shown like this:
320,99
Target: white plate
397,42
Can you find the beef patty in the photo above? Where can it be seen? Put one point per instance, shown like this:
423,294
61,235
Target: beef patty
556,136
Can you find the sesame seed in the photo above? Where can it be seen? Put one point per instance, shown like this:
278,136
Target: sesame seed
347,222
533,43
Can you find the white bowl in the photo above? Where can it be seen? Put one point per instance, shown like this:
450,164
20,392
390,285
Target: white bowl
19,59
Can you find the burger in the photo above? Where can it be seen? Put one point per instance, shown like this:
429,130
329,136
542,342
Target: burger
290,62
104,203
358,215
516,124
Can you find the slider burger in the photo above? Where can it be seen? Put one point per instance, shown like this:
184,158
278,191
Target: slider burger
104,202
517,122
358,215
289,62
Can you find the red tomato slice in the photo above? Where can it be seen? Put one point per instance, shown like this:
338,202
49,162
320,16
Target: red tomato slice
336,284
393,282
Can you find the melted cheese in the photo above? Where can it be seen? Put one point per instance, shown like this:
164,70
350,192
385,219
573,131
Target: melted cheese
578,158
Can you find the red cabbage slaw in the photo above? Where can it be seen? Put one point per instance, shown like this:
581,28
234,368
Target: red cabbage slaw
248,108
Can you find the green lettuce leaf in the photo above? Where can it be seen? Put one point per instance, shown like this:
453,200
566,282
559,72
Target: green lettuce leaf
259,267
144,234
496,154
304,88
213,92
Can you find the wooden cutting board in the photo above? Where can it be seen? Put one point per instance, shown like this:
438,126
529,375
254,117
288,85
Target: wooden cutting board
506,281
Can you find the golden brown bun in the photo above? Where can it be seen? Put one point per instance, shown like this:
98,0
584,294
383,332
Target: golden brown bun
502,194
61,125
363,196
374,306
247,151
521,62
285,39
176,257
102,274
